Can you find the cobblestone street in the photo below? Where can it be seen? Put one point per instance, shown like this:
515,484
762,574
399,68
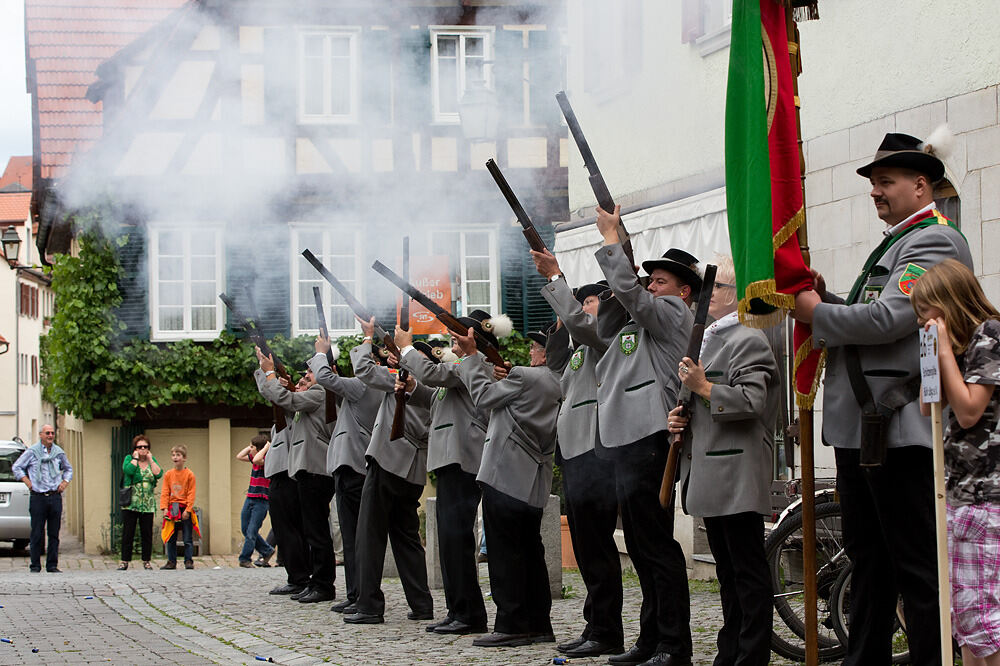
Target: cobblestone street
219,613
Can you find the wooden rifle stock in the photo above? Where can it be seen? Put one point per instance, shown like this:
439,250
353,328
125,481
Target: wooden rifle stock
450,321
527,227
684,395
324,332
597,183
399,415
258,339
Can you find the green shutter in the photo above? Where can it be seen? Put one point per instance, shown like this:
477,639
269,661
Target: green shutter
545,76
376,56
133,285
263,270
413,87
280,74
508,73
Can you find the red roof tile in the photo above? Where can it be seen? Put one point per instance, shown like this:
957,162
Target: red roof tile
18,171
67,40
15,207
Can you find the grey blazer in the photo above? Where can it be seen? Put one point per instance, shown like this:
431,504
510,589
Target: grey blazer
358,406
646,336
521,438
457,428
577,423
726,460
276,460
407,456
886,332
309,433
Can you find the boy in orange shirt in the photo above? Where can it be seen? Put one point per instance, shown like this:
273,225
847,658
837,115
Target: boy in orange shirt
177,502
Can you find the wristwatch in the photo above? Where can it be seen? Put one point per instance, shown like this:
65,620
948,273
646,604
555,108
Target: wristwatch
555,277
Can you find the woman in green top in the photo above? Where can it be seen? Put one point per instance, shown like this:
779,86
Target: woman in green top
141,472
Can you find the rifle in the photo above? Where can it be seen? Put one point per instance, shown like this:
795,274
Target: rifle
399,415
597,183
360,311
445,317
684,396
258,339
528,229
324,332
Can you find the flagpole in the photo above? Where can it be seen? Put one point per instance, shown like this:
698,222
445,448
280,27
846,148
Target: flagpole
807,463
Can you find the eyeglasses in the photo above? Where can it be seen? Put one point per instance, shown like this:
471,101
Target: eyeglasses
719,285
142,447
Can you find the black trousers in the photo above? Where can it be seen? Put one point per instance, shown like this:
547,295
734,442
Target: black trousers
519,580
348,484
389,513
458,496
592,514
145,520
46,516
737,542
888,516
665,614
315,495
286,520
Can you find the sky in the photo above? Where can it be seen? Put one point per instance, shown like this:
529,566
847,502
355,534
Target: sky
15,103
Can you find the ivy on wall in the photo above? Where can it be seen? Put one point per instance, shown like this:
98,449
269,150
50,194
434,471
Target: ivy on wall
90,370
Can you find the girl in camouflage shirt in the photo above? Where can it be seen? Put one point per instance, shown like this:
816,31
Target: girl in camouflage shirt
949,296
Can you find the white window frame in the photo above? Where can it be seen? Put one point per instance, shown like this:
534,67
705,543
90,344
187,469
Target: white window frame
495,291
157,335
336,236
354,34
488,34
718,34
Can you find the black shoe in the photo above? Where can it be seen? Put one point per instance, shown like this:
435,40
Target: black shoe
342,606
287,588
171,564
498,639
457,627
632,657
363,618
431,627
189,564
35,569
54,570
317,595
593,649
543,638
667,659
569,645
420,615
298,595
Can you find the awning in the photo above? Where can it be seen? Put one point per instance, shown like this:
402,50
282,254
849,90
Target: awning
696,224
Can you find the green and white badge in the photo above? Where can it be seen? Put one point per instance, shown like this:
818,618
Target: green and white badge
628,342
441,392
576,361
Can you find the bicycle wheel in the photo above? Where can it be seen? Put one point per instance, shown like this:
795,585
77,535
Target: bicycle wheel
840,599
783,549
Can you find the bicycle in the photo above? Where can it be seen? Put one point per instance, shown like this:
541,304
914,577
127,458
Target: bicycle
784,551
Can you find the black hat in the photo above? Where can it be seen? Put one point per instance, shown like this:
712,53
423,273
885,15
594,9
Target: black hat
594,289
489,326
679,263
426,349
538,336
908,152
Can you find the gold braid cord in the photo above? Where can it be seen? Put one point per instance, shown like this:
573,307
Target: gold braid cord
766,291
806,400
805,10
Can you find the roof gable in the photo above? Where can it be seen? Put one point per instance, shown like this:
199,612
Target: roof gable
66,41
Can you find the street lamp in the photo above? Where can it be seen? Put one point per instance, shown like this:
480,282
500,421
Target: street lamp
478,111
11,241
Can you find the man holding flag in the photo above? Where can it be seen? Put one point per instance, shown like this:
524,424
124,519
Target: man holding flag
884,471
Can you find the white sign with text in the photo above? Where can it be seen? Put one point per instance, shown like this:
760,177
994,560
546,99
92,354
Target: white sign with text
930,373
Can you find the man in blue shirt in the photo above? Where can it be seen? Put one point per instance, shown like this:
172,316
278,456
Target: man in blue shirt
44,468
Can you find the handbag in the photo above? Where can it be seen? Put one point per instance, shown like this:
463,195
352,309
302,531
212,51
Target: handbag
124,494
